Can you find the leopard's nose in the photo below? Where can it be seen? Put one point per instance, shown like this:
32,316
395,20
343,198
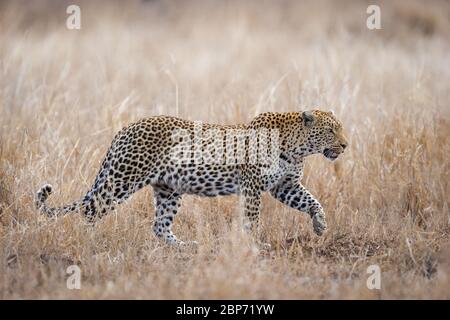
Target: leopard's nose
343,145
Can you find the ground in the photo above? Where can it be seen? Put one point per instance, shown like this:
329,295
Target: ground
65,93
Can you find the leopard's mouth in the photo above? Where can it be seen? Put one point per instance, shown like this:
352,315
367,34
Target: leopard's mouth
330,154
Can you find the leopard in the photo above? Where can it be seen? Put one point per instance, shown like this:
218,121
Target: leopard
177,157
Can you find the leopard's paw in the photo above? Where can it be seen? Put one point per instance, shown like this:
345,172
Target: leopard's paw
319,224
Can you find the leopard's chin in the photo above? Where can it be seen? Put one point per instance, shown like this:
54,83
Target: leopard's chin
329,154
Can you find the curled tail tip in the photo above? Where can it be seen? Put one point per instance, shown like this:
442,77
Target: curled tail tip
43,193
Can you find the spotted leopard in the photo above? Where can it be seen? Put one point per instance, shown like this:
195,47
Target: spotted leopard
177,157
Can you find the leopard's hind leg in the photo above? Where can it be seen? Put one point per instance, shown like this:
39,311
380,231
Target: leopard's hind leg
112,187
167,201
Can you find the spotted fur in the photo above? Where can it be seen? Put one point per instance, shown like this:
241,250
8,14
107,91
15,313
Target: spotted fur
142,154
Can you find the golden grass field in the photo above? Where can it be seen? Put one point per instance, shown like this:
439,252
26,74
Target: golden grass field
65,93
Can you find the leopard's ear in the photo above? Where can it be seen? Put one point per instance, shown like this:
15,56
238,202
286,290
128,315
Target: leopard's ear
308,118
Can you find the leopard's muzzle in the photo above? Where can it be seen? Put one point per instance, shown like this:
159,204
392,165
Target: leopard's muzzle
334,152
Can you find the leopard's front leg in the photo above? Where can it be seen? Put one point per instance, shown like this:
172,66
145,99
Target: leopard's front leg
252,207
250,192
293,194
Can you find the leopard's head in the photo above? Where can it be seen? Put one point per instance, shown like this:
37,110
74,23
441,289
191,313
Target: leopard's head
323,133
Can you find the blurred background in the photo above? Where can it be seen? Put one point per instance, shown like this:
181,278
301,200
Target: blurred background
195,58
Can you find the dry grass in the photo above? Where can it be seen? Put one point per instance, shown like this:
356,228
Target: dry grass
63,95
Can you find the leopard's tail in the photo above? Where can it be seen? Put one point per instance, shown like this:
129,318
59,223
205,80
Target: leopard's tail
88,204
45,191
